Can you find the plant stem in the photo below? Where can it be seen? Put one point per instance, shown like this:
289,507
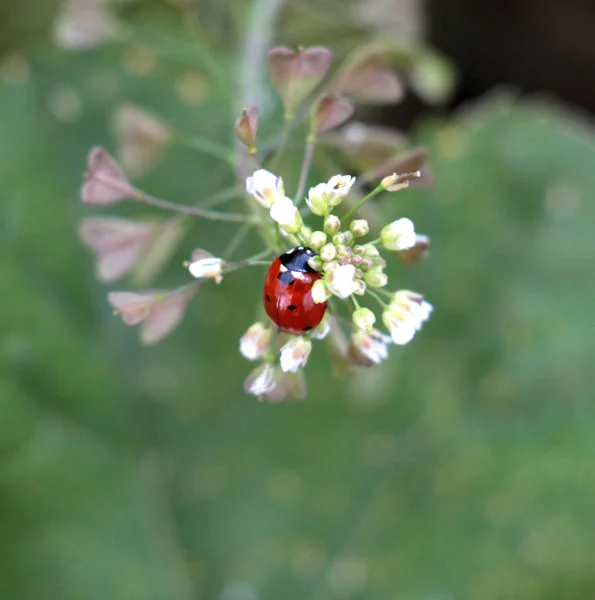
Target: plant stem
306,164
194,211
355,208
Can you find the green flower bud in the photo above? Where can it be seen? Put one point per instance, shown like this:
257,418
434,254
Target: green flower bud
332,224
316,200
348,238
359,227
328,252
359,250
376,279
371,250
342,252
339,239
363,318
317,240
316,263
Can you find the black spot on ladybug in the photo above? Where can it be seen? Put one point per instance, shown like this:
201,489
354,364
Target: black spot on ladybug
292,307
286,277
307,328
268,298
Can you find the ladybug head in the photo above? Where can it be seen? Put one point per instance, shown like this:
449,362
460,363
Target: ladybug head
297,259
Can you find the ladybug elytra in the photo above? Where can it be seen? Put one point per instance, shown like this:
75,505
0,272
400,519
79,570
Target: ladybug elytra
287,293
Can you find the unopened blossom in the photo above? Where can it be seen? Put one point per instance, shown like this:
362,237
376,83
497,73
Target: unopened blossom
376,279
246,126
359,227
399,181
368,348
286,214
295,353
316,200
332,224
317,240
320,291
265,187
341,281
363,318
398,235
106,182
205,266
255,342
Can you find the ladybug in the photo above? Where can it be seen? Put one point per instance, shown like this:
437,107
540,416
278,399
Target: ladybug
287,293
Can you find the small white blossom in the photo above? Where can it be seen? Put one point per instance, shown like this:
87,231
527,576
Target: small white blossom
255,342
263,380
405,316
295,354
205,266
369,348
341,281
265,187
286,214
398,235
337,189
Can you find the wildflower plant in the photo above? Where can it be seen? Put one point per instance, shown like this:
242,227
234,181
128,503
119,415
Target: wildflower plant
349,251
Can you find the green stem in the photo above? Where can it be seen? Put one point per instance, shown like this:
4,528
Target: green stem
377,298
207,147
355,208
274,162
306,164
193,211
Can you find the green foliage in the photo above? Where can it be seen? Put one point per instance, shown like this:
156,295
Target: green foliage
461,468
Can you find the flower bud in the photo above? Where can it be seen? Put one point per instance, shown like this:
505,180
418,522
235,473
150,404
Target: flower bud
317,240
360,290
246,126
328,252
347,238
332,224
363,318
286,215
329,266
376,279
359,250
371,250
320,292
343,252
205,266
295,353
316,200
398,235
255,342
339,239
359,227
316,263
395,182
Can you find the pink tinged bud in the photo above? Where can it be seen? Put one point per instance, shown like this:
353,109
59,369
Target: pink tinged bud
341,281
246,127
255,342
159,312
367,78
368,348
396,182
329,112
296,74
141,138
118,244
286,214
412,161
413,255
265,187
106,183
205,266
82,25
295,354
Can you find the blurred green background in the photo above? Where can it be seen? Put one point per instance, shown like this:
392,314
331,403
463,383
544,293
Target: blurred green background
460,468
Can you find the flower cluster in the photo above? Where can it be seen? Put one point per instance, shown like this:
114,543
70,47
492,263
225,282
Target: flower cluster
329,248
349,267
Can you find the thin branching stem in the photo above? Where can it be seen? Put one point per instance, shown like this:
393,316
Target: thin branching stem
306,164
355,208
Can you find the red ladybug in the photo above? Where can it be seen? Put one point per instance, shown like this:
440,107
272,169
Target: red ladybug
287,293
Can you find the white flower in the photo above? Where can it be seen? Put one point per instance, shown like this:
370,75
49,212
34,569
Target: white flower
316,200
398,235
255,342
368,348
322,329
337,189
265,187
286,214
263,380
341,281
205,265
405,315
295,354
